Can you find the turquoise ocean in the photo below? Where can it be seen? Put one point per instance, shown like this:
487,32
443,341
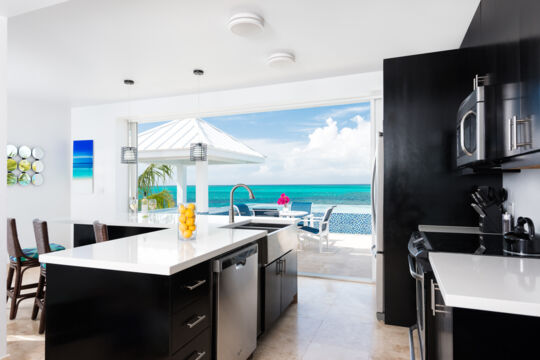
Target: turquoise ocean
269,194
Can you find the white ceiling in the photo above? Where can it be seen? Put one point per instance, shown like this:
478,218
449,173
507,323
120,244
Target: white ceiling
82,49
16,7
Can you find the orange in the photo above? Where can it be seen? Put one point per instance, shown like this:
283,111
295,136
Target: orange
190,221
192,227
189,213
182,218
183,227
187,234
191,206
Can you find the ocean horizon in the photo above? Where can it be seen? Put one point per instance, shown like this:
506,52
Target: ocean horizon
327,194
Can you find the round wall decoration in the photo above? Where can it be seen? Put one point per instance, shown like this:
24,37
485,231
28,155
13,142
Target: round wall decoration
11,164
25,152
24,165
11,151
24,179
11,179
38,166
38,153
37,179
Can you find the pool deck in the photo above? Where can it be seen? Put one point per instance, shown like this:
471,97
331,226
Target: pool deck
348,256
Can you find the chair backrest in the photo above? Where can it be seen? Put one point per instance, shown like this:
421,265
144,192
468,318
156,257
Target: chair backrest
41,232
266,212
242,209
13,245
301,206
101,232
324,225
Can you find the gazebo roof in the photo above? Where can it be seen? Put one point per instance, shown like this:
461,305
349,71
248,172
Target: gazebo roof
170,143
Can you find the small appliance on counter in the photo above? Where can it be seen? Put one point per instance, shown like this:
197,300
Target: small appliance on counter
522,241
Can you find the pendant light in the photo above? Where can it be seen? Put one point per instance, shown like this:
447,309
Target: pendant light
129,153
198,151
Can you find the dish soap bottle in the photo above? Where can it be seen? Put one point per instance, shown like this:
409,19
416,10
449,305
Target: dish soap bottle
144,205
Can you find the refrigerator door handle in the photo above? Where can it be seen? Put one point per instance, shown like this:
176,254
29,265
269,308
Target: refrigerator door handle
373,190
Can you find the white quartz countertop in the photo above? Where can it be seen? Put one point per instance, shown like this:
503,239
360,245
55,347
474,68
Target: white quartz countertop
491,283
159,252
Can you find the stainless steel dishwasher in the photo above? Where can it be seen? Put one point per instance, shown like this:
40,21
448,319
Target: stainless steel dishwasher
236,304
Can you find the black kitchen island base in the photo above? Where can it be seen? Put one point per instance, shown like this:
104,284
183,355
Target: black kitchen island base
103,314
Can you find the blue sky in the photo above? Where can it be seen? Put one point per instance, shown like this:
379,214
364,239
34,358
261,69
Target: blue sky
317,145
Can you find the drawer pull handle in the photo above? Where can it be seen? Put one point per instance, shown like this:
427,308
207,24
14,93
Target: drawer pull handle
196,285
199,355
196,322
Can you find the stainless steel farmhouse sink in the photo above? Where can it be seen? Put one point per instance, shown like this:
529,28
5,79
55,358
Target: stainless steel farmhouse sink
280,239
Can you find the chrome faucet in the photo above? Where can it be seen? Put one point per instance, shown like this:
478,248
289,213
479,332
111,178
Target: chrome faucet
231,207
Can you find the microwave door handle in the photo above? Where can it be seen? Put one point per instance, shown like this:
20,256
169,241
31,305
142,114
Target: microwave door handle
514,132
462,133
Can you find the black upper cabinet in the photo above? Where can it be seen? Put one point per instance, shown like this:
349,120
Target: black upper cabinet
528,129
506,37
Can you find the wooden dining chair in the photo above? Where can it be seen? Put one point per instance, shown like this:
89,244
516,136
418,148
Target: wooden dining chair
41,233
20,260
101,232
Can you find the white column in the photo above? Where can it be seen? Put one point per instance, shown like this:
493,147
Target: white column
181,183
3,174
201,186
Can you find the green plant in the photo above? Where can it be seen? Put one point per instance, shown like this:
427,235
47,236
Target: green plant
164,199
155,175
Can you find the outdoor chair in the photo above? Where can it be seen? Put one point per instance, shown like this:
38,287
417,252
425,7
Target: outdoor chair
303,206
242,210
319,233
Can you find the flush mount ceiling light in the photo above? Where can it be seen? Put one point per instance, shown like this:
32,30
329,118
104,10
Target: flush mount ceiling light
280,60
246,24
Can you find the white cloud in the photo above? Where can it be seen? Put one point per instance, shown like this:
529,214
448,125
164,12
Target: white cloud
332,155
344,111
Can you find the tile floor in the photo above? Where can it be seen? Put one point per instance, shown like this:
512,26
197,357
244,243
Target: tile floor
332,320
347,256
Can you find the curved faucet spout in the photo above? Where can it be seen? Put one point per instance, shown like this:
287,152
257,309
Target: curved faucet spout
231,205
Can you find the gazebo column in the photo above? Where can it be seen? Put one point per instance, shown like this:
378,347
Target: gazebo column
181,184
201,187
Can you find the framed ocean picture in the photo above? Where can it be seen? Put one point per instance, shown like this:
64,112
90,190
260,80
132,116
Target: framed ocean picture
83,165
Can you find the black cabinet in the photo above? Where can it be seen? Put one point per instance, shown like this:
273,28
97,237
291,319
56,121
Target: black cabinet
105,314
280,287
289,279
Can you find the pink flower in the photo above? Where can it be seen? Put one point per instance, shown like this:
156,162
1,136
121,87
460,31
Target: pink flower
284,199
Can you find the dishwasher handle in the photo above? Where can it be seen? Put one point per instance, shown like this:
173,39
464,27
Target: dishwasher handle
238,259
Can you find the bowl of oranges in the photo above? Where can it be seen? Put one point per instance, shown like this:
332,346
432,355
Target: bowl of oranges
186,221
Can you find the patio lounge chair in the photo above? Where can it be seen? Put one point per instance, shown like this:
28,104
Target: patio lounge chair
242,210
321,233
303,206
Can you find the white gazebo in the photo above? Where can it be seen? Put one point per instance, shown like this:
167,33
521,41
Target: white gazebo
170,143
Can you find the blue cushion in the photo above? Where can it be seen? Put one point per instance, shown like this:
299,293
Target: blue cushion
310,229
32,253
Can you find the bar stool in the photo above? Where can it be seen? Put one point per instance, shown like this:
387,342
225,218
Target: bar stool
41,232
20,260
101,232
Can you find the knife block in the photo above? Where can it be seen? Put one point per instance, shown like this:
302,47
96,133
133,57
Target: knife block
492,222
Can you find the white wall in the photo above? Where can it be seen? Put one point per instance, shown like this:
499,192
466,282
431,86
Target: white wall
102,124
3,127
110,194
35,122
523,190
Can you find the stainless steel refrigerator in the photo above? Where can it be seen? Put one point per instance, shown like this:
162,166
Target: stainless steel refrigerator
377,202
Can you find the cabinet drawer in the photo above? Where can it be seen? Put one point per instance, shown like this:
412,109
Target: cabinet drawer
199,348
190,321
190,285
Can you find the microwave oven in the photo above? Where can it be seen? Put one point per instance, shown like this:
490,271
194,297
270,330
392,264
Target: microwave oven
471,126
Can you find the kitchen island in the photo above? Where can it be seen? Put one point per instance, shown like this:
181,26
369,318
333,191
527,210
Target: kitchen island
148,296
485,306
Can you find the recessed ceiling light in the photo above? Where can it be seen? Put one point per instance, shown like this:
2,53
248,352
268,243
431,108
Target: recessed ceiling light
246,24
280,60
